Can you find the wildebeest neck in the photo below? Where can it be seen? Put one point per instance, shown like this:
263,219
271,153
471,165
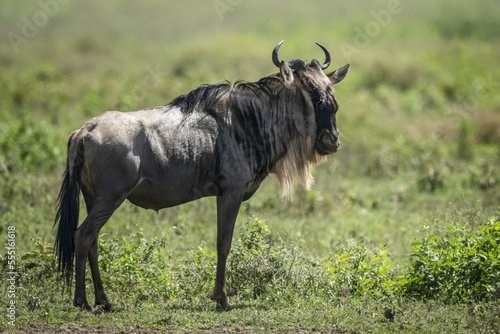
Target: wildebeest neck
264,121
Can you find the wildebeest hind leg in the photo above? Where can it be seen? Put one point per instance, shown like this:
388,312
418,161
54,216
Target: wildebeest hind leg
85,239
100,296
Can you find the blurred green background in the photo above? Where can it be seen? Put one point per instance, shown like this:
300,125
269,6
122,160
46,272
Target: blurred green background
419,109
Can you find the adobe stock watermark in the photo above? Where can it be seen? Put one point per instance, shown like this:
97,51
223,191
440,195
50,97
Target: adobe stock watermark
223,6
482,86
150,81
373,28
31,25
11,275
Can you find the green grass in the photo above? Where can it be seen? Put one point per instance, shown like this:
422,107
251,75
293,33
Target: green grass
419,116
278,284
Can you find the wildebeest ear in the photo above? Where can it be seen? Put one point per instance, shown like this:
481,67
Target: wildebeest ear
286,73
338,75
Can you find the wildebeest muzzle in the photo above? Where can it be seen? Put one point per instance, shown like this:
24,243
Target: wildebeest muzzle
327,142
327,135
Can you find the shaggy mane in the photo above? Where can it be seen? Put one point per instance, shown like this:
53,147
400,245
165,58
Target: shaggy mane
300,156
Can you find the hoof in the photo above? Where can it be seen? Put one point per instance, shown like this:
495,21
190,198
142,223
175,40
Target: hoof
222,302
220,296
82,304
106,306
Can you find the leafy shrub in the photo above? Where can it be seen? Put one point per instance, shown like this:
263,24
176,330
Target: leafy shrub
195,275
260,267
136,268
36,264
357,268
461,266
257,267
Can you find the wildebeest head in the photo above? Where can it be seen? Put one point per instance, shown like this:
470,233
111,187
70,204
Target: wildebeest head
317,87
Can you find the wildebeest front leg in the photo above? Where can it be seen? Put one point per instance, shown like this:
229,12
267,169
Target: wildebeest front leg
227,210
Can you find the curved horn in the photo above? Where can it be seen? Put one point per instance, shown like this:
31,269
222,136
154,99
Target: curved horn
328,58
276,60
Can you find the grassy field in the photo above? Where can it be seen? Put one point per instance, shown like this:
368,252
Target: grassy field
399,234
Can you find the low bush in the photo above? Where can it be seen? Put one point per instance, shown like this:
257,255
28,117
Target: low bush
459,266
260,267
135,268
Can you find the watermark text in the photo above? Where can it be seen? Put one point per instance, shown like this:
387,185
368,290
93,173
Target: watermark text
11,275
32,25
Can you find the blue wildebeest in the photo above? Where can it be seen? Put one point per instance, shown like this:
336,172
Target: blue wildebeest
218,140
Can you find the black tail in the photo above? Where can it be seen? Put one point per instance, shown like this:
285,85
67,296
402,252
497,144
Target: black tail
68,211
